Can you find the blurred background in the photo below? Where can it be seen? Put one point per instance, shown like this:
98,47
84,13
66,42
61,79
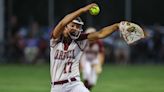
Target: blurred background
25,26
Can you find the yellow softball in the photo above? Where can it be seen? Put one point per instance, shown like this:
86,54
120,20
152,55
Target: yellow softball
94,10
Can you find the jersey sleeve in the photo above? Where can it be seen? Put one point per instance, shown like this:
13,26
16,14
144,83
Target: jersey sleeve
82,36
53,41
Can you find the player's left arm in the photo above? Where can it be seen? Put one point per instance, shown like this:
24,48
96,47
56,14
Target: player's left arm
104,32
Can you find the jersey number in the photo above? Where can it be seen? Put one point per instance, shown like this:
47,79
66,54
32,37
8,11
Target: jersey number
68,66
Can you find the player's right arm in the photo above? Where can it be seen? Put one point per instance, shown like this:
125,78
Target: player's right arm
57,31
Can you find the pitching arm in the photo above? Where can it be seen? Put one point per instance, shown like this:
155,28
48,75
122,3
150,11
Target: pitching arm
67,19
104,32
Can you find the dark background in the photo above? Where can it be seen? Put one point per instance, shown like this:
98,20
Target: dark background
33,16
146,12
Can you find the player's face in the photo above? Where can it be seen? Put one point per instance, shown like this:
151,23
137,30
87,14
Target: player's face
73,29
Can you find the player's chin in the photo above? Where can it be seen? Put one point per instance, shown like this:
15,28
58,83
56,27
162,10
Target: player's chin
73,33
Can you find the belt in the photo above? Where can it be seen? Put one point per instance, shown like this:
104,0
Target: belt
63,81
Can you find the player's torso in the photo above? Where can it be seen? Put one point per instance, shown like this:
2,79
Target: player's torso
64,63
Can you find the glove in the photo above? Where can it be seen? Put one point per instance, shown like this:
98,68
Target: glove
131,32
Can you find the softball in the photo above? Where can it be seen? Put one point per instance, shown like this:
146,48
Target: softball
94,10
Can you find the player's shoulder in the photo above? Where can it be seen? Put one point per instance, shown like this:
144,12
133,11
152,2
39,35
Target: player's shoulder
55,41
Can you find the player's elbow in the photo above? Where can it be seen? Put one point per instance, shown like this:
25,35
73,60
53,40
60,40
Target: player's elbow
101,36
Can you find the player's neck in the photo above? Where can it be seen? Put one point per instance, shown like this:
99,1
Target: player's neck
67,39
